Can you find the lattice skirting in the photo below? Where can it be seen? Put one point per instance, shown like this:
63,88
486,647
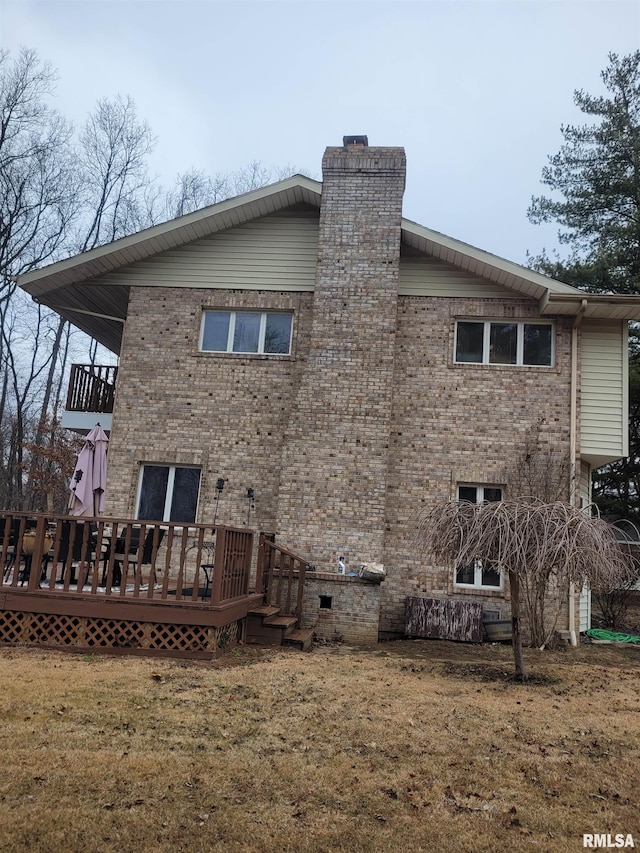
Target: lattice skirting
93,634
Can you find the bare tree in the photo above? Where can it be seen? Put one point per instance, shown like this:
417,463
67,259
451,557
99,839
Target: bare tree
38,202
524,539
612,602
191,191
38,187
59,196
112,170
195,189
23,365
113,152
540,472
541,469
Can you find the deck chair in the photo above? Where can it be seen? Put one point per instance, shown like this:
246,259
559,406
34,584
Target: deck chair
74,551
132,555
121,554
147,548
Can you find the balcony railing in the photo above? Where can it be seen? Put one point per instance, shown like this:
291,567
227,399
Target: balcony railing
91,388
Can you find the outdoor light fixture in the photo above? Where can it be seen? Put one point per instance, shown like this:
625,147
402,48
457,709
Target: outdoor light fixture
219,487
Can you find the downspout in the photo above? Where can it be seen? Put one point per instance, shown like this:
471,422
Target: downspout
573,451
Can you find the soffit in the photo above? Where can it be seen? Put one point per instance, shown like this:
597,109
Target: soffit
599,306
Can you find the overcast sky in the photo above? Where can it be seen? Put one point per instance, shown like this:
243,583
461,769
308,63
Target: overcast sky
475,91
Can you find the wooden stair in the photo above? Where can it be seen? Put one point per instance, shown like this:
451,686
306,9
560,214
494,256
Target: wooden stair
266,626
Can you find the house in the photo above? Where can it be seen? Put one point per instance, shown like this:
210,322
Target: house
303,360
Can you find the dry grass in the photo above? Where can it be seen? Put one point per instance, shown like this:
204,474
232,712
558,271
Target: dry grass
420,746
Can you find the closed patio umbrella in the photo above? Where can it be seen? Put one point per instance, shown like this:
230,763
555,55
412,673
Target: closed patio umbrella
89,478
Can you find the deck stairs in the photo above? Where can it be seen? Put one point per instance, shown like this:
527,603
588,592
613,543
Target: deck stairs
267,626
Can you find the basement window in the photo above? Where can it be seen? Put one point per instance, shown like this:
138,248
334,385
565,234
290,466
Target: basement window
263,333
326,602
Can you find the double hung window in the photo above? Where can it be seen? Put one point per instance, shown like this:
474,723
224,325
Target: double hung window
504,342
263,332
168,493
476,575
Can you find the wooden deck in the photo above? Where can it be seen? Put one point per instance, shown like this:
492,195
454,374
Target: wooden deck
121,585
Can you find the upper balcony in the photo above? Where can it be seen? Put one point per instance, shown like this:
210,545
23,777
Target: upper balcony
90,397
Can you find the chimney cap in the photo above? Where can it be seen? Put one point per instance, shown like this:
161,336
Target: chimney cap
355,140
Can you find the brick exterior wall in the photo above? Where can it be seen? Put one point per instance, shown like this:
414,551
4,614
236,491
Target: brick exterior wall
367,421
224,412
455,423
355,608
332,495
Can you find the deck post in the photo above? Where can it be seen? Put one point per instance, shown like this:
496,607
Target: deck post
36,556
218,566
260,565
302,573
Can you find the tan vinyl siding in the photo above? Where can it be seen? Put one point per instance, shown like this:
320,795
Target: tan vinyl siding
428,276
604,394
276,252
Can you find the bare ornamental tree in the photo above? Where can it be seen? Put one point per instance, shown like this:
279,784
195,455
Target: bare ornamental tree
529,542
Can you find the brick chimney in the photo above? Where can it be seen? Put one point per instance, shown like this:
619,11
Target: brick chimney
334,465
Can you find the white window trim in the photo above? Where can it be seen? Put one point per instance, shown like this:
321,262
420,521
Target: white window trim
486,341
477,564
480,487
477,580
232,329
170,484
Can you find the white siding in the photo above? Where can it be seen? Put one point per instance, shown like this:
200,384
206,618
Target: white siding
604,395
584,609
428,276
584,602
276,252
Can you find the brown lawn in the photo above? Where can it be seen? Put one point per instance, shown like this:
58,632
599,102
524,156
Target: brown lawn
406,746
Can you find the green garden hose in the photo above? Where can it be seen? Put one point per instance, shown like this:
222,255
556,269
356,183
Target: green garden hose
600,634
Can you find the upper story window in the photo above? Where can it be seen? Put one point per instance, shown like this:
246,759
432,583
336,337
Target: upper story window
501,342
246,332
168,493
476,575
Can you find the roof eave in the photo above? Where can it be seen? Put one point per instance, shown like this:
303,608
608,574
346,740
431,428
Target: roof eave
597,306
169,235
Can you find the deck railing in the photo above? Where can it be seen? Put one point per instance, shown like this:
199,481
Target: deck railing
125,558
91,388
280,576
